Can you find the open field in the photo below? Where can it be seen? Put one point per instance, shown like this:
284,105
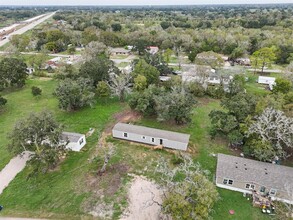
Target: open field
74,190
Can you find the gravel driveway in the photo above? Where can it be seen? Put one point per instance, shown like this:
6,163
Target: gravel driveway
9,172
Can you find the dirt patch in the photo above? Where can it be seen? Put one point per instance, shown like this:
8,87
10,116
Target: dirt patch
125,117
145,198
109,183
99,209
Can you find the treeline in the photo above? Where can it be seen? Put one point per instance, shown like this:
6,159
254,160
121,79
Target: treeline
17,14
231,32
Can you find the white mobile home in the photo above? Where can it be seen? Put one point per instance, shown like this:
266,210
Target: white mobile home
75,141
151,136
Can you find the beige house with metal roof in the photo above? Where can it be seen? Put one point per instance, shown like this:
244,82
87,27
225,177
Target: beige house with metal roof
246,175
119,51
152,136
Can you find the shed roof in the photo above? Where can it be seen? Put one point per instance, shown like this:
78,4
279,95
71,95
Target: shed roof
72,137
152,132
266,79
247,170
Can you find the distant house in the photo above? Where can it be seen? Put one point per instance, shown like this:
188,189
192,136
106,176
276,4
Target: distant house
206,76
152,136
119,51
246,175
152,49
56,59
53,63
270,81
215,79
243,61
198,73
165,78
30,70
75,141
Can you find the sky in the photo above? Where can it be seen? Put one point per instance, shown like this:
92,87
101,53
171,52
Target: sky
137,2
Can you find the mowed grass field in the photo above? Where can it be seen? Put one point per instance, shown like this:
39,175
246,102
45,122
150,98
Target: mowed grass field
65,192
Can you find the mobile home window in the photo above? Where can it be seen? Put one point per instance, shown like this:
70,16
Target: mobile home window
143,137
230,182
249,186
153,139
225,181
125,134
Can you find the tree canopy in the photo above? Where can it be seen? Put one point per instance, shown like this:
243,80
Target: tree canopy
12,73
39,133
188,192
97,69
75,94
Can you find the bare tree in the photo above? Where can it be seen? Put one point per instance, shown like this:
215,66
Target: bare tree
188,192
108,153
120,84
93,49
275,127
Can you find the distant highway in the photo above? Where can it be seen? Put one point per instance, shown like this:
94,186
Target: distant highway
26,28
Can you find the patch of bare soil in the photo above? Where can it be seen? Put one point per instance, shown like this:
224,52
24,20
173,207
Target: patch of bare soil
102,187
99,209
145,199
125,117
108,183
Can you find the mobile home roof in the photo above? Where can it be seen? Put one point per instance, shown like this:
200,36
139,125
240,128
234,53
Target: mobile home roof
152,132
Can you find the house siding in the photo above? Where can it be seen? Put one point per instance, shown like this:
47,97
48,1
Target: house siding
76,146
240,187
148,140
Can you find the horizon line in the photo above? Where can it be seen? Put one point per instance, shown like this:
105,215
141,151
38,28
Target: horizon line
149,5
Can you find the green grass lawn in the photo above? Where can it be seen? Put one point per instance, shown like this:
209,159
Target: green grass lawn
253,87
55,193
119,57
123,64
242,207
66,193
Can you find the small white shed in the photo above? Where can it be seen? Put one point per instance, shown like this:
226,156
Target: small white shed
152,136
266,80
270,81
75,141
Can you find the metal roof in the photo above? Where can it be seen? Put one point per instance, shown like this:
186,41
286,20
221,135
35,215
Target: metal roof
251,171
152,132
119,50
72,137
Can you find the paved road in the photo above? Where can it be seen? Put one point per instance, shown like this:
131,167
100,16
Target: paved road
9,172
267,70
26,28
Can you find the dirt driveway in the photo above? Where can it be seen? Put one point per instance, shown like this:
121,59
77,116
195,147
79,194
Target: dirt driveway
144,201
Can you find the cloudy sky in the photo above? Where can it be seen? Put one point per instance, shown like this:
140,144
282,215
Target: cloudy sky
136,2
